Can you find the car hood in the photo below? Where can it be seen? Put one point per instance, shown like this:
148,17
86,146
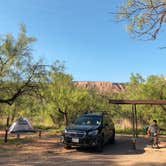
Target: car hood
81,128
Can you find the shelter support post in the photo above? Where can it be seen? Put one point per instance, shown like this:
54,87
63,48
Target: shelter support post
134,123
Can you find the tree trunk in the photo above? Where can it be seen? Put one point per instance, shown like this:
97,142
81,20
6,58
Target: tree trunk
13,115
65,115
6,130
52,118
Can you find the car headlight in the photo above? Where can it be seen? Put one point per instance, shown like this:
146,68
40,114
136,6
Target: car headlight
65,131
94,132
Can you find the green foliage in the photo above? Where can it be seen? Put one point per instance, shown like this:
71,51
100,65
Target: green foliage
151,88
63,98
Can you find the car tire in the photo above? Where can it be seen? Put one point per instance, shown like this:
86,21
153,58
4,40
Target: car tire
67,147
99,146
112,139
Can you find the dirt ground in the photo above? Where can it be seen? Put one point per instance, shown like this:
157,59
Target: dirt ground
48,150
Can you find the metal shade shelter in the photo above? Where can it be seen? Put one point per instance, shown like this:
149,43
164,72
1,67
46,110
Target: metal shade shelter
134,111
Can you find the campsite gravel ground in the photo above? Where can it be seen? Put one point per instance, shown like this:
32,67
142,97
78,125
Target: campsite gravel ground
30,150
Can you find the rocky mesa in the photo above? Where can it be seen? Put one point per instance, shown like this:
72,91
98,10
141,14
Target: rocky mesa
101,86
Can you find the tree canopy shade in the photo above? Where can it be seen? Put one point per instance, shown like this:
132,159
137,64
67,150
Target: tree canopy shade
145,18
18,73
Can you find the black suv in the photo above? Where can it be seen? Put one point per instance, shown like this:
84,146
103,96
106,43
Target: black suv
90,130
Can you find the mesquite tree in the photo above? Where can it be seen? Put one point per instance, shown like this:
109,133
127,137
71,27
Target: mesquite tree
19,75
145,18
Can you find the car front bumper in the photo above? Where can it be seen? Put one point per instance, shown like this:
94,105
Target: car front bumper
88,141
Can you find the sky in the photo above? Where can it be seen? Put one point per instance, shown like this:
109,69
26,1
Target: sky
84,36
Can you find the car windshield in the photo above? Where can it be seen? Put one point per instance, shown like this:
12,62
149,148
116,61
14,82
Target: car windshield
88,120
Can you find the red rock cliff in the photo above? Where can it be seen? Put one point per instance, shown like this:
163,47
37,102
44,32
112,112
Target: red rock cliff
101,87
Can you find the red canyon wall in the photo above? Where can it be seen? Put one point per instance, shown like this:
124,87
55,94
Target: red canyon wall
101,87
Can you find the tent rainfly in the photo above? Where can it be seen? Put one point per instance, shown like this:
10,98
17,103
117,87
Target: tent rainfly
22,125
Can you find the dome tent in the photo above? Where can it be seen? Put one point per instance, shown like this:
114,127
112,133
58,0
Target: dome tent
22,125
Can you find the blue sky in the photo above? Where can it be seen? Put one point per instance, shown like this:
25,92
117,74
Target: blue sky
83,35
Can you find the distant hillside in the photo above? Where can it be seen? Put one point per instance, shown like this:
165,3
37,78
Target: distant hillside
101,87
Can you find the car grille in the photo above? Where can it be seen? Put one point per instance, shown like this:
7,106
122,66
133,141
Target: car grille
75,134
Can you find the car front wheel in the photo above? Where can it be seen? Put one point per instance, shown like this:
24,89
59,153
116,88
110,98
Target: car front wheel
67,147
99,146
